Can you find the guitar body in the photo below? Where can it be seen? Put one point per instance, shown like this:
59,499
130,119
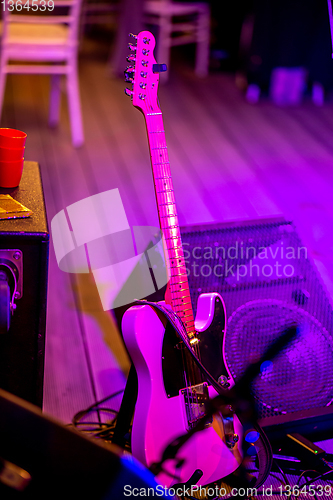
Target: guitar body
160,414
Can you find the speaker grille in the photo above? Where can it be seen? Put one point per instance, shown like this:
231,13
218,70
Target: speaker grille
264,275
298,378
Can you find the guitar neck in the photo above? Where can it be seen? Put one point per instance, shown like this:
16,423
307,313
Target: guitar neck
178,287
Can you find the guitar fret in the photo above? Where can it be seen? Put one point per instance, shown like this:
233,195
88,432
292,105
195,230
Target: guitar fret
181,304
182,297
179,284
177,256
166,199
167,181
174,238
175,281
176,298
188,309
173,245
188,317
168,196
176,247
189,324
177,292
169,226
167,215
181,308
178,280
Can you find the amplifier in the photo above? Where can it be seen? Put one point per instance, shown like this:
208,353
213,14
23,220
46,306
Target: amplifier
27,243
263,272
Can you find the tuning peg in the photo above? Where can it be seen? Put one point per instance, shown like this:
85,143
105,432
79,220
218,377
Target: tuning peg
128,92
159,68
132,47
128,79
129,69
133,36
130,58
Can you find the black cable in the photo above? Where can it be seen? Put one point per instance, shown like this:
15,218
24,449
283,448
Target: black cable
303,474
284,476
98,429
318,478
94,405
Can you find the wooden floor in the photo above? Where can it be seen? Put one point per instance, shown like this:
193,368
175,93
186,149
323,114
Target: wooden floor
230,161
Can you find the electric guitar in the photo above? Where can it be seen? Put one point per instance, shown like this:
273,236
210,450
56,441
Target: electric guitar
171,391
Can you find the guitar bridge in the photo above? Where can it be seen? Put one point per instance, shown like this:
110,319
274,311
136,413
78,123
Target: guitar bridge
195,398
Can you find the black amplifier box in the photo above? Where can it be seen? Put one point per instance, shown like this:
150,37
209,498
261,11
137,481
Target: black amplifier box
24,247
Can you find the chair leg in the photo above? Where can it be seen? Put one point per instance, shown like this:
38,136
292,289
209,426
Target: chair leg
55,98
74,105
203,41
3,77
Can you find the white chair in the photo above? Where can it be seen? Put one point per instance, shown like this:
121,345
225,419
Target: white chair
50,43
181,23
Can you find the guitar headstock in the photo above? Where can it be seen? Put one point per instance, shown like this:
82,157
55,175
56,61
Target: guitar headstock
143,73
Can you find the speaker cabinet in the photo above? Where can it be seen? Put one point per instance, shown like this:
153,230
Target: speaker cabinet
263,272
22,346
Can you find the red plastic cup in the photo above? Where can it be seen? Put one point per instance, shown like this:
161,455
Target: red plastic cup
11,154
11,138
10,173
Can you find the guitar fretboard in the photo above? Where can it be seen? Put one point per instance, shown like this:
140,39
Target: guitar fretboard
178,286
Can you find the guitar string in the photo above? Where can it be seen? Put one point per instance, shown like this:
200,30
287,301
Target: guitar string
192,394
157,122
